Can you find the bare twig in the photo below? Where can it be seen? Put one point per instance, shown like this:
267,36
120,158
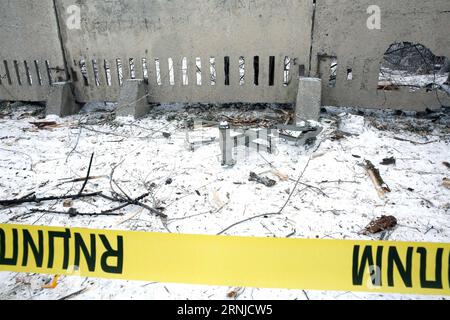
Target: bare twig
73,212
381,187
88,174
72,295
80,180
34,199
414,142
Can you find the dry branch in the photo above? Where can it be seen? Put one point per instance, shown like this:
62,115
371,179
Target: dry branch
80,180
88,174
73,212
34,199
381,187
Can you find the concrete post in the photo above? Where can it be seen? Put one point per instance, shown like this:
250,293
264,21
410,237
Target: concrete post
61,101
133,99
226,144
309,99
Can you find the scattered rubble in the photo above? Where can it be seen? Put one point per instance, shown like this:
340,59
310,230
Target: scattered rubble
45,124
388,161
262,180
235,293
384,223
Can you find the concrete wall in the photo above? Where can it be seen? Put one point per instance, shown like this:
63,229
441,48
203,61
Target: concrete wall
340,30
29,38
162,29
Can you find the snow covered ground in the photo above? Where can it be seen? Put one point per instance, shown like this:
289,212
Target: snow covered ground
336,199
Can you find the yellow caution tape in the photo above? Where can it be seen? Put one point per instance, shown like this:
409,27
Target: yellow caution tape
341,265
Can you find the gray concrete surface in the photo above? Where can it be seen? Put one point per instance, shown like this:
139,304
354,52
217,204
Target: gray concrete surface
309,99
154,29
61,101
340,30
133,99
29,34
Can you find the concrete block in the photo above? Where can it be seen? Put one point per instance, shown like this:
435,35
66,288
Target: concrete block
309,99
133,100
61,101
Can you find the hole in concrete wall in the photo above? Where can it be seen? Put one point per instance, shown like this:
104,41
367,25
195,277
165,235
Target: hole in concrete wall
184,72
287,71
256,70
119,71
241,71
158,72
226,69
271,71
415,67
107,69
144,70
96,72
132,69
198,66
301,70
84,73
49,72
171,72
17,70
8,74
212,69
38,72
349,74
333,72
28,73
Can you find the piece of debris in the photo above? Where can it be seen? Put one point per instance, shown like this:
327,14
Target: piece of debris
45,124
385,223
446,183
166,135
169,181
388,161
235,293
53,284
68,203
339,135
302,135
72,212
263,180
446,164
381,187
388,86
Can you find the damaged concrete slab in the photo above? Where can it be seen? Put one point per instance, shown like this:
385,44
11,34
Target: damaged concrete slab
309,99
133,99
61,101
